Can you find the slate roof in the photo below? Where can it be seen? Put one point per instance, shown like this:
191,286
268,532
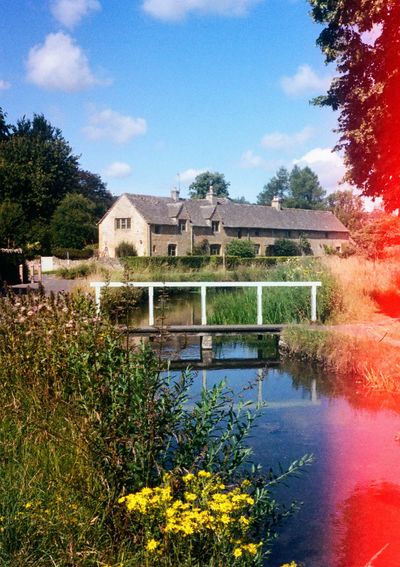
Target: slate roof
166,211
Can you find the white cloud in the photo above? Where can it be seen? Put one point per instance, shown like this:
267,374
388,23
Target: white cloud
70,12
189,175
59,64
280,140
327,165
113,126
175,10
117,170
304,80
4,85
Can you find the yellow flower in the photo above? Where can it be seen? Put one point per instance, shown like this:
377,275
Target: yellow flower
292,564
237,552
188,477
28,505
152,545
251,548
204,474
190,497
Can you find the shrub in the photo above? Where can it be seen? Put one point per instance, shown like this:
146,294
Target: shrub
80,271
285,247
72,253
202,249
305,246
242,248
125,249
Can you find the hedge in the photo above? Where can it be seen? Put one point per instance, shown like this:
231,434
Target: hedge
73,253
10,261
140,263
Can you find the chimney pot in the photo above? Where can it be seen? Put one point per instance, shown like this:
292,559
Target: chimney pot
276,203
175,194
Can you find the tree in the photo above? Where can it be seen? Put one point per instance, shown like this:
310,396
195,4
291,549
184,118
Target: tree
278,186
91,186
73,224
37,167
201,185
240,201
348,208
305,190
366,90
299,189
241,248
13,225
377,235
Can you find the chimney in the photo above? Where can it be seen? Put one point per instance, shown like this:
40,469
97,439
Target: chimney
276,203
175,194
210,195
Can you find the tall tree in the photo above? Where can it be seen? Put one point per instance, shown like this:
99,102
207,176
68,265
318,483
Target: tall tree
348,208
91,186
305,190
13,225
201,185
73,224
37,167
278,186
363,38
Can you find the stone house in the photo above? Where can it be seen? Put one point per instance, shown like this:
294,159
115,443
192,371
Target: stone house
171,226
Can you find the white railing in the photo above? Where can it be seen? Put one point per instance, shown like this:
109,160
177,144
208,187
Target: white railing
203,291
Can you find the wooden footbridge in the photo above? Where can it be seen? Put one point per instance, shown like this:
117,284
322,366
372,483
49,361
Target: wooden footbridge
205,330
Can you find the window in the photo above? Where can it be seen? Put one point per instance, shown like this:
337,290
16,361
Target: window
239,235
123,224
257,248
215,226
326,235
215,249
171,249
181,226
256,232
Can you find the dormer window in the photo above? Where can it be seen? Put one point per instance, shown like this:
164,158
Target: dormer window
181,226
214,226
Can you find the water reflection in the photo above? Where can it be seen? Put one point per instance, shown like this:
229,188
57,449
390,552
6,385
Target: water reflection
351,496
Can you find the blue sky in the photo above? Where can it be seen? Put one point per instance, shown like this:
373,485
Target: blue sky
146,89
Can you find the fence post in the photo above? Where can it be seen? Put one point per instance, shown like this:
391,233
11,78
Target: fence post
97,297
203,289
259,305
313,303
151,306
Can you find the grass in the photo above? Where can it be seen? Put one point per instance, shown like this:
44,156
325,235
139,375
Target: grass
85,422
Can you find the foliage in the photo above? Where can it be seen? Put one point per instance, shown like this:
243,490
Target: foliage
305,190
305,246
365,92
299,189
72,253
201,185
74,272
202,249
13,225
90,422
348,208
73,224
285,247
242,248
125,249
278,186
38,169
376,237
240,200
91,186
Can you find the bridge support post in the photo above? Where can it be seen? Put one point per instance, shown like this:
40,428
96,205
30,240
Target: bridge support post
206,342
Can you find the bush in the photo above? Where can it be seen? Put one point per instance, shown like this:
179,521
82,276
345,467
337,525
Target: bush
72,253
241,248
305,246
285,247
202,249
80,271
125,249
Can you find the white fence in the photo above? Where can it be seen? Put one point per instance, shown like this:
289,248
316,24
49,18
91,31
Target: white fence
203,293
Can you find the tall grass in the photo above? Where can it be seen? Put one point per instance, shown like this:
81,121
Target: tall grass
280,305
85,422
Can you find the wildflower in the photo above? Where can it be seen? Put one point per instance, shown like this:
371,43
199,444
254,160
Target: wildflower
292,564
188,477
237,552
152,545
251,548
204,474
28,505
190,497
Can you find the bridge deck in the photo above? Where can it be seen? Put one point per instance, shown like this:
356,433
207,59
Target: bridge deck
202,330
